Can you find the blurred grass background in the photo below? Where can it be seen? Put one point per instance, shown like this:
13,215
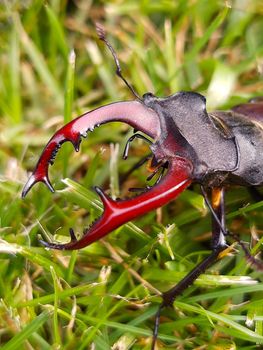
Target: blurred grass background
53,68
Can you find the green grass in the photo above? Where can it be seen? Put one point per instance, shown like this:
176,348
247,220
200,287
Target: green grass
53,68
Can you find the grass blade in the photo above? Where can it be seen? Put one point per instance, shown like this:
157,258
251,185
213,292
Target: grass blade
18,340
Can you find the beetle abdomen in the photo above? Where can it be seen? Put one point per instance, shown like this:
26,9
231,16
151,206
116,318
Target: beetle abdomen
249,138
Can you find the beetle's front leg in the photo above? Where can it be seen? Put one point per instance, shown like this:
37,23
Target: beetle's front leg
135,167
127,146
218,245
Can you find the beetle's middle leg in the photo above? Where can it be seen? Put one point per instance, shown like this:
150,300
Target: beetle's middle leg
218,245
136,166
250,258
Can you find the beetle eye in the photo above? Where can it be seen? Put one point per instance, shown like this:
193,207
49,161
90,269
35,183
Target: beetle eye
148,97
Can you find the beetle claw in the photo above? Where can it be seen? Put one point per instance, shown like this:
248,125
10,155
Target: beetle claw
118,212
31,182
46,181
106,200
76,144
52,245
146,121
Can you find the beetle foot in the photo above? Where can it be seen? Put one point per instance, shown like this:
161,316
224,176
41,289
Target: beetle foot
40,174
256,263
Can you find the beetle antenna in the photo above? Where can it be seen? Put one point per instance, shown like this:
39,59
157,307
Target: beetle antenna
102,36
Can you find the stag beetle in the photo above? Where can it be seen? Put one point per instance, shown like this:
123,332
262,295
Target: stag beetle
188,144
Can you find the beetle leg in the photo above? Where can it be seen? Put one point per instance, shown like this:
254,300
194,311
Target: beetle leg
250,258
218,245
218,195
135,167
162,166
155,171
255,194
134,136
117,213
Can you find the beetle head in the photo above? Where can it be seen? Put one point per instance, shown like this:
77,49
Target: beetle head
115,213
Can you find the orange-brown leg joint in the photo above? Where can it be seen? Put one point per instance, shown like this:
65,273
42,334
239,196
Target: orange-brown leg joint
217,194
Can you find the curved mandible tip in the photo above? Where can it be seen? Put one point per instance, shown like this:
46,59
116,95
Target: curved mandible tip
117,213
32,180
133,113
